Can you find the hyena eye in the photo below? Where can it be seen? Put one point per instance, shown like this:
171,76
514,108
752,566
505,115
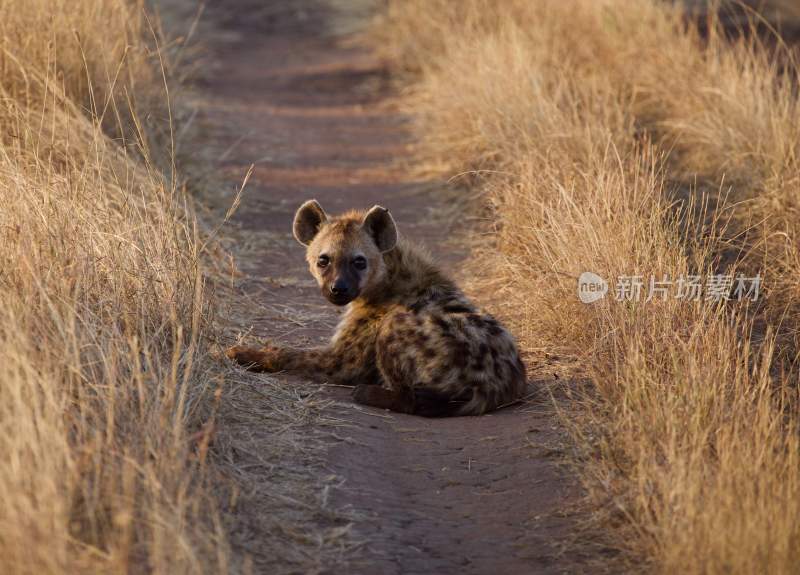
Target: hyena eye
360,263
323,261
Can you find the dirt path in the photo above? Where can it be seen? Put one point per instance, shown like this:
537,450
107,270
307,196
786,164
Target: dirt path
466,495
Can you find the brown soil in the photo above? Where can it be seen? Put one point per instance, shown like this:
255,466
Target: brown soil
460,495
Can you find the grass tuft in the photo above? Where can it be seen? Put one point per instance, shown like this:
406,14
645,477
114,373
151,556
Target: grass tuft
624,138
103,303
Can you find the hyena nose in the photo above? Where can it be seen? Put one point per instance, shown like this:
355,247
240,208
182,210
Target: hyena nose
339,287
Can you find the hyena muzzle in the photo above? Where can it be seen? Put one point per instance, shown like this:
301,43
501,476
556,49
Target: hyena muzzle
410,341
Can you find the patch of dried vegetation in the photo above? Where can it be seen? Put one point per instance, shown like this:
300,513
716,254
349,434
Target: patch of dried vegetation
613,136
103,377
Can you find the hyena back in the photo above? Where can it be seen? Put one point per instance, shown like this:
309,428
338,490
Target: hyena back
410,340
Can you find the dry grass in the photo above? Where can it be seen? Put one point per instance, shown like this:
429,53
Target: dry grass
611,136
103,305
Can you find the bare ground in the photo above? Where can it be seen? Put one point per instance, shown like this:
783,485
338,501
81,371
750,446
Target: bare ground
318,484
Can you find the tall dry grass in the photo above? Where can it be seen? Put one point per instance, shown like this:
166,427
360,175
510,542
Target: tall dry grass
103,304
612,136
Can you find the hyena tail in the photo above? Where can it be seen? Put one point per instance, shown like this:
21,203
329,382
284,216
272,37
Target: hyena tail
427,402
430,403
417,401
478,401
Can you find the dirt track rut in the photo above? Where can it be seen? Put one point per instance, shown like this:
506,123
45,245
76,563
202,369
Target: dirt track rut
465,495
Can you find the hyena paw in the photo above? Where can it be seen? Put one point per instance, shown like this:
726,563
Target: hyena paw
254,359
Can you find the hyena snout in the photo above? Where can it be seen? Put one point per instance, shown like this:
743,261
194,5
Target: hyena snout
340,288
341,291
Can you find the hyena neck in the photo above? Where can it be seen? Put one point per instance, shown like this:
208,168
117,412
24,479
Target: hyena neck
409,275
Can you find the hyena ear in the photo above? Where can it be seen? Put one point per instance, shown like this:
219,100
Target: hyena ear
307,221
379,224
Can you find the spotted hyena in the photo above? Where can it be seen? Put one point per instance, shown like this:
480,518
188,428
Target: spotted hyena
410,341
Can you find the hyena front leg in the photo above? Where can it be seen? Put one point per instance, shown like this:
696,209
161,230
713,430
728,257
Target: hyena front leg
272,358
340,364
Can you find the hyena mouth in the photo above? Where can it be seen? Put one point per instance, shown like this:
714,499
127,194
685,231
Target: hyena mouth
340,299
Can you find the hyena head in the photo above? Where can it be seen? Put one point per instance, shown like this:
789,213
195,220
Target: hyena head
345,253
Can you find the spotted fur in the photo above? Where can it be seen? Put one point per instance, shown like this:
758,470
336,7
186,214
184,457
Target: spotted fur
410,341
